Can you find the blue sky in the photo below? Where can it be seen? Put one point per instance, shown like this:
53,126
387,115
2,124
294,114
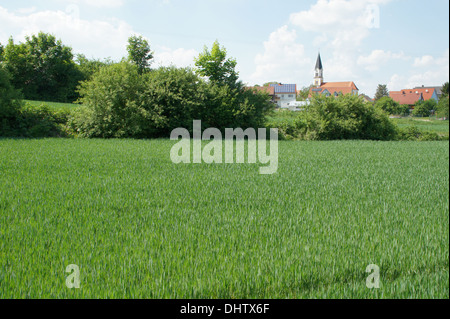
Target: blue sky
402,43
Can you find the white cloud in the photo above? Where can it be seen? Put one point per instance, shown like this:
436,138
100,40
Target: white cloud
179,57
396,83
347,22
283,58
340,27
377,58
424,61
340,67
436,73
99,39
27,10
94,38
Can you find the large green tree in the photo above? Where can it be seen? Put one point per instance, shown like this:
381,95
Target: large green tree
303,93
445,89
390,106
425,108
42,68
443,107
139,53
10,99
2,49
215,66
88,67
382,91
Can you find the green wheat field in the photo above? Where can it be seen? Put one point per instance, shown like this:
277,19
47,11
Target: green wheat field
139,226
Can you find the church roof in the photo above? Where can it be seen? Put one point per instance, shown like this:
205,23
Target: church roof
349,85
319,63
335,88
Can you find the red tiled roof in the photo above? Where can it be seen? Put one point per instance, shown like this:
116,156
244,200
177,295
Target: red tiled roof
339,85
404,98
265,89
336,87
411,96
426,92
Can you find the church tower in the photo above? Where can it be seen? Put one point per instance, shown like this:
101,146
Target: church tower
318,78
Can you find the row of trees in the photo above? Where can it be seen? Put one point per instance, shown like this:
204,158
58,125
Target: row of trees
45,69
128,99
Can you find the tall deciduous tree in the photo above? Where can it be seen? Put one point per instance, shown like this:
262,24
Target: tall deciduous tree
1,52
389,105
88,67
139,53
443,107
382,91
424,108
445,89
303,93
216,67
9,98
43,68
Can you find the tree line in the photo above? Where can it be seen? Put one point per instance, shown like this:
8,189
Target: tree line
128,99
45,69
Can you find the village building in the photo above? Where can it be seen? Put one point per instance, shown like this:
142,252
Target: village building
284,95
265,89
438,89
330,88
411,96
366,98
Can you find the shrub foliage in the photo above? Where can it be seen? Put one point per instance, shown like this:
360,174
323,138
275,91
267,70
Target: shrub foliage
120,102
345,117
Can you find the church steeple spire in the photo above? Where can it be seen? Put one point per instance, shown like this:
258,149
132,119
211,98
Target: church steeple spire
319,63
318,78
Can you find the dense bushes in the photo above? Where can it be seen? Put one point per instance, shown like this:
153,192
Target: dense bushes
344,117
9,97
413,133
36,122
443,107
113,104
425,108
17,119
392,107
120,102
10,103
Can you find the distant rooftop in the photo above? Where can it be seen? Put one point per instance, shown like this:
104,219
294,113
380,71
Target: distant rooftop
284,88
